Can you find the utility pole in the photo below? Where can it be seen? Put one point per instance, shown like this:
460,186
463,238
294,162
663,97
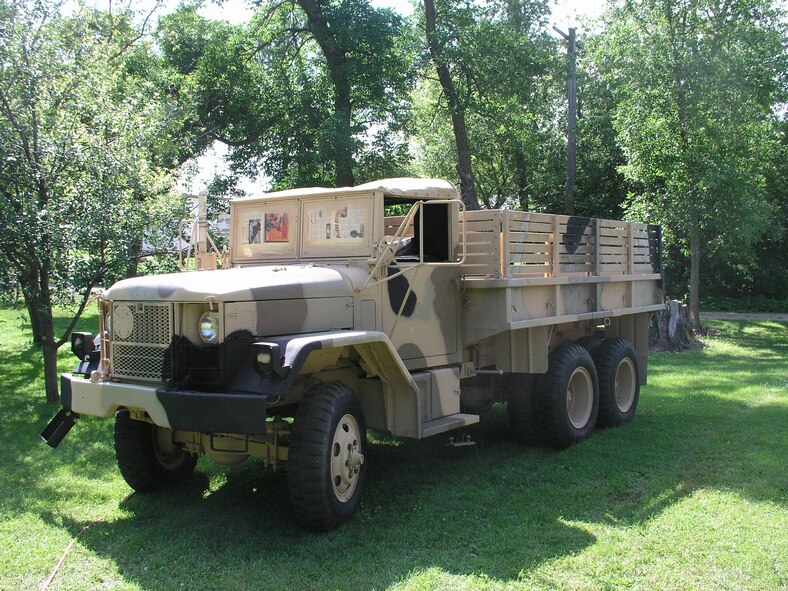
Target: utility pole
571,128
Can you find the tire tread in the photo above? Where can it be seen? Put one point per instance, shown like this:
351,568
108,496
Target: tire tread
551,402
136,456
311,495
607,359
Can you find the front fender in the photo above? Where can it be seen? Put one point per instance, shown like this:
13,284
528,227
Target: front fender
374,347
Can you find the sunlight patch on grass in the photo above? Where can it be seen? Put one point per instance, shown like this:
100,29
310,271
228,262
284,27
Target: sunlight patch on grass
215,482
437,579
85,569
703,541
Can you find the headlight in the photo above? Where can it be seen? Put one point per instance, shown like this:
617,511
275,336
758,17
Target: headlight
209,328
122,322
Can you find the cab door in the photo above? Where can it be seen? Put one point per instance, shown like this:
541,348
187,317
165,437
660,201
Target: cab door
421,297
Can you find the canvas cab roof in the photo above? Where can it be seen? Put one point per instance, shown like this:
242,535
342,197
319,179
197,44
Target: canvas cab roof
406,188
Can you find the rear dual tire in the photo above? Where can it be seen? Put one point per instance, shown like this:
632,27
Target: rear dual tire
619,381
568,400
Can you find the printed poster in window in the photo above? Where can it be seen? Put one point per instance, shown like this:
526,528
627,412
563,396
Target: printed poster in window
344,223
252,231
277,227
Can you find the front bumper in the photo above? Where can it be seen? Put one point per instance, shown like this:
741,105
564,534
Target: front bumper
207,412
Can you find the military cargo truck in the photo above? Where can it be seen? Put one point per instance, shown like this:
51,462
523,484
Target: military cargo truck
335,318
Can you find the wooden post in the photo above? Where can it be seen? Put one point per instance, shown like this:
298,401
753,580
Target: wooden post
597,237
597,265
630,248
503,242
556,258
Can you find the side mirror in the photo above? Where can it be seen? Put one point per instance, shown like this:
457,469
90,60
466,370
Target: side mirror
82,344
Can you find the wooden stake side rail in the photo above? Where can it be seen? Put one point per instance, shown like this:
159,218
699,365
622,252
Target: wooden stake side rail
512,244
392,223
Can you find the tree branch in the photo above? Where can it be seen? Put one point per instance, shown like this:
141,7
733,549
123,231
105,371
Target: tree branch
85,298
9,112
141,34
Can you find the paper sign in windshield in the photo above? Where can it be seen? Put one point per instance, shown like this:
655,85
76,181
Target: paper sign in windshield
345,223
276,227
270,228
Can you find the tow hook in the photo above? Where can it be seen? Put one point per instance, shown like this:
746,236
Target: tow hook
59,427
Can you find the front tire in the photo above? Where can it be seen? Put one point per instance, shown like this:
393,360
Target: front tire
619,381
568,400
147,457
326,468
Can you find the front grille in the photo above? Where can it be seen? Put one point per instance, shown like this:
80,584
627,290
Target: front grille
141,335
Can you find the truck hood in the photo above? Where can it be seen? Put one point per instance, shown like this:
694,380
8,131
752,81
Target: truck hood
280,282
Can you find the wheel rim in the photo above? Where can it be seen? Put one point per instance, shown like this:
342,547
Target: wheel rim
167,453
579,397
625,384
346,458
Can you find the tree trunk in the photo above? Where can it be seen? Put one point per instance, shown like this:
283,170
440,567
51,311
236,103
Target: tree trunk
50,372
670,329
336,60
43,327
522,179
343,139
694,294
464,166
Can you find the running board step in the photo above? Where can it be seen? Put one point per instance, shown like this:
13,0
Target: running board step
443,424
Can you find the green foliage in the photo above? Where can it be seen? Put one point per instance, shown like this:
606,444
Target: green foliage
601,190
295,97
508,79
690,495
763,268
744,304
81,176
78,185
158,265
76,130
696,84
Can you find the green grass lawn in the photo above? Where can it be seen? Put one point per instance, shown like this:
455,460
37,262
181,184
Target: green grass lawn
691,495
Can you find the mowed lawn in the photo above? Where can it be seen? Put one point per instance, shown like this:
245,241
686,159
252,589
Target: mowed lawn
691,495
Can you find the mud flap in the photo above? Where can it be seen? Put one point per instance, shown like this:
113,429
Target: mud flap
59,427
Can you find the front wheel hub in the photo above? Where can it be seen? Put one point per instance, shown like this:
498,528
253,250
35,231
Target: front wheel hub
346,458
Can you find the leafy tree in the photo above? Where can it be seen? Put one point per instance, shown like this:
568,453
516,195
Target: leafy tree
696,82
601,190
494,102
309,92
762,269
79,143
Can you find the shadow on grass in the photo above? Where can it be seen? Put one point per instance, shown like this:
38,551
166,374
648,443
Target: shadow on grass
498,509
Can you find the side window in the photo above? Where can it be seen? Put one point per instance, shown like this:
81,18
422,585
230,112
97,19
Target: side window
337,227
435,220
436,232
